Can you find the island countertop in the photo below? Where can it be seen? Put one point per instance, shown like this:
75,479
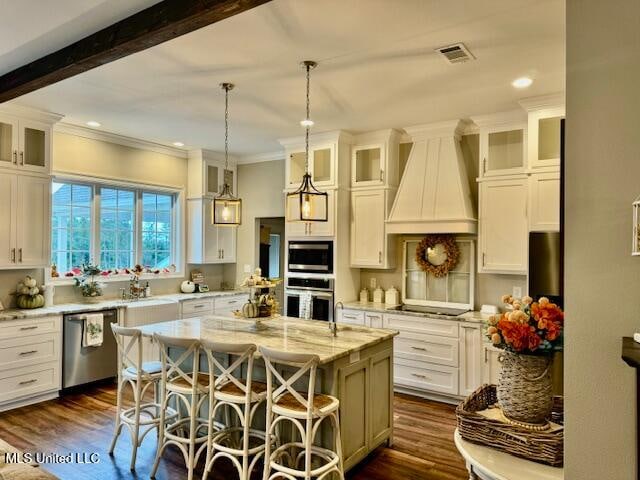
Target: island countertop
282,333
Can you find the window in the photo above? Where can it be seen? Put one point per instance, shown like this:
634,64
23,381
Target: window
71,225
453,290
132,226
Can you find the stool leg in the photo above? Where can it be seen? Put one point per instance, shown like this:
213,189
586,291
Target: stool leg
267,445
136,427
307,440
210,437
118,426
163,410
338,442
193,421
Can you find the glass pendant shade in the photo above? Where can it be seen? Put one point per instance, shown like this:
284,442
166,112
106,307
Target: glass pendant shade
227,209
307,204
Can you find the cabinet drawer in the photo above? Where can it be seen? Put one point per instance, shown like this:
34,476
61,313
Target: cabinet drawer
427,348
354,317
227,304
430,326
29,326
29,350
29,380
374,320
426,376
194,308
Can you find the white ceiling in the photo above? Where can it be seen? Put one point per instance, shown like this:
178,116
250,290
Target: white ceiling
377,69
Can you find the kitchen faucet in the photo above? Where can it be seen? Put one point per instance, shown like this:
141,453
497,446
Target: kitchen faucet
333,328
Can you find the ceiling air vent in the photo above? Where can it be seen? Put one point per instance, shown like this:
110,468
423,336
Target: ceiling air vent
456,53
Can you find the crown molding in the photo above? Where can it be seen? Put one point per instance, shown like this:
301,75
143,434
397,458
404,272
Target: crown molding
262,157
316,138
84,132
501,118
552,100
437,129
31,113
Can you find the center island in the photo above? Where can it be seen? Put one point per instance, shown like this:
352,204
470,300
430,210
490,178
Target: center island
356,366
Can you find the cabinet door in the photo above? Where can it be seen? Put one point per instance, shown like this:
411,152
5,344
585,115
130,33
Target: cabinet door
381,394
212,175
35,146
470,358
354,317
503,229
321,166
8,216
9,141
373,319
354,387
227,244
544,137
367,228
502,150
368,165
544,202
491,366
33,221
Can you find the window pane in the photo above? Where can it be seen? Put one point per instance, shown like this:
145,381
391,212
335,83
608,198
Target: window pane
125,219
164,202
107,260
61,216
125,259
148,241
117,234
149,221
61,193
78,258
163,222
108,198
125,199
81,217
149,259
81,195
163,259
157,229
80,239
61,260
125,240
162,241
108,219
107,240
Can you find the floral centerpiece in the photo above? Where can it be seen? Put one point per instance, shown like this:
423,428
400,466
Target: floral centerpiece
528,332
90,288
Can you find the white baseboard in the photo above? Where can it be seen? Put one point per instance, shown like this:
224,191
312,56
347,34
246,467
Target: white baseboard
43,397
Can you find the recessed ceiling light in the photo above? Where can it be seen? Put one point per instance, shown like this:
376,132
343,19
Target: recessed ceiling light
93,123
522,82
178,144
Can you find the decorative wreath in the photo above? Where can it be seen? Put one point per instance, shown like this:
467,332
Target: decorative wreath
450,246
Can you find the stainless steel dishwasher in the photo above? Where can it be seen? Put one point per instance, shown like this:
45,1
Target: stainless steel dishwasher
80,364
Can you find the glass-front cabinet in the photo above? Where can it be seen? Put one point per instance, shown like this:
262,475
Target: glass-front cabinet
502,150
321,166
367,166
544,123
454,290
24,144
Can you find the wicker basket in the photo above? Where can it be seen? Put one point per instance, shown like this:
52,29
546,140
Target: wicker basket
538,446
525,392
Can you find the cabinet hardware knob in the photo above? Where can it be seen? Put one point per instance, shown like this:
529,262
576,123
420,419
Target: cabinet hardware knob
20,255
486,351
33,327
21,158
13,255
382,175
15,157
27,382
379,257
483,259
30,352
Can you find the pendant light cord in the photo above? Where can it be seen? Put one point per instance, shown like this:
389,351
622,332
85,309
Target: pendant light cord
306,158
226,127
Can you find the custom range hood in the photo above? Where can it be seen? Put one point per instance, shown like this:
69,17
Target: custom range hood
434,194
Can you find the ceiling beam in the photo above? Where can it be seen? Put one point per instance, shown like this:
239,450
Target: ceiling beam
163,21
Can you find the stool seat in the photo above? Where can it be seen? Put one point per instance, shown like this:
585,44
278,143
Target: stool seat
150,368
232,393
181,384
287,404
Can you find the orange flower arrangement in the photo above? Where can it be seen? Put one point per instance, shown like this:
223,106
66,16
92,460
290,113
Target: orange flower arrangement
530,327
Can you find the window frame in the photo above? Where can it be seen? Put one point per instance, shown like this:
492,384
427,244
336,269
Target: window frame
434,303
177,214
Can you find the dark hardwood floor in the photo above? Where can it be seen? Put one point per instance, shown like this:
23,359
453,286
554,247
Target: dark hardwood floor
83,422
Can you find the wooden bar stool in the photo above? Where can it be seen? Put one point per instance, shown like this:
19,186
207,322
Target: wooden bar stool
306,411
140,376
241,396
190,390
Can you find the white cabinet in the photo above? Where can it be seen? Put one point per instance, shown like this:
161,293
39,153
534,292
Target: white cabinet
368,236
227,304
30,360
322,166
373,319
374,159
491,366
197,307
208,243
25,144
316,229
503,226
33,221
206,174
544,202
354,317
24,220
471,366
142,313
503,143
545,114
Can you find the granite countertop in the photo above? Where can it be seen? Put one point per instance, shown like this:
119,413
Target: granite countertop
472,316
65,308
281,333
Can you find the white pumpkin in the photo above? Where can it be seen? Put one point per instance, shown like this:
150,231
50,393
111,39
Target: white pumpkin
34,291
24,290
30,282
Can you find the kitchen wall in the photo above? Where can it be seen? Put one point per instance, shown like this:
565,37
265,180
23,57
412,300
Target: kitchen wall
77,155
261,186
489,287
602,280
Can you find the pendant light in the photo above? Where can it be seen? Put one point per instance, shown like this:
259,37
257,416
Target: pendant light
227,209
307,203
